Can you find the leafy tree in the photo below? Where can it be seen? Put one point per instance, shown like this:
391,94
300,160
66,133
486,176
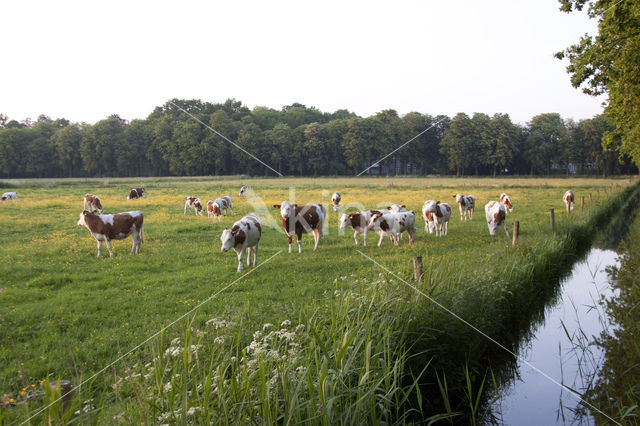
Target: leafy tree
67,145
546,140
458,142
609,63
315,145
500,142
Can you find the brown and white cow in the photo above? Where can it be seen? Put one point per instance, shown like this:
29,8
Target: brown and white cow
335,200
569,200
436,217
214,208
135,193
242,190
193,203
505,200
244,234
9,196
107,227
393,224
496,216
300,220
467,204
92,203
359,222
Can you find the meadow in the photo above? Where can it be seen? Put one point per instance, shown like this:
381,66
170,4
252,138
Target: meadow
64,314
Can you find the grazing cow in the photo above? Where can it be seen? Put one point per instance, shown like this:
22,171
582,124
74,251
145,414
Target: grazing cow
302,220
436,217
135,193
496,216
393,224
467,206
359,222
107,227
193,203
335,200
92,203
214,208
244,234
242,190
397,208
9,196
568,200
505,200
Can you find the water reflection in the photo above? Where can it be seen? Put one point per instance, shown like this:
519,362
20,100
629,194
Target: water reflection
560,347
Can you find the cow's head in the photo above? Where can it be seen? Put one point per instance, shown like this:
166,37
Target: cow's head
98,205
81,219
345,220
396,208
376,218
286,209
429,206
459,198
227,239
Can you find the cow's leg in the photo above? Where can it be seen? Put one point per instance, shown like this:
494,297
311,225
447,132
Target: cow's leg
109,248
411,232
134,237
365,234
505,228
461,214
290,242
355,237
395,237
231,207
446,228
185,210
99,247
255,255
299,236
316,236
240,258
381,238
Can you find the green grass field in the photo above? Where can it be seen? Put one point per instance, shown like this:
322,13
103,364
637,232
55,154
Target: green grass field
66,314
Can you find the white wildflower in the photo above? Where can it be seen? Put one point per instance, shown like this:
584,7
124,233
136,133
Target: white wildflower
168,387
267,325
285,323
218,340
175,341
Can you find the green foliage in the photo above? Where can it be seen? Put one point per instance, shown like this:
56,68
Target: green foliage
609,63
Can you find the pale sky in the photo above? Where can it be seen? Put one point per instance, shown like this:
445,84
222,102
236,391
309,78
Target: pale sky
84,60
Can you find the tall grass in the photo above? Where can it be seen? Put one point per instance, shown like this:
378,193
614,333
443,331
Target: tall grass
372,350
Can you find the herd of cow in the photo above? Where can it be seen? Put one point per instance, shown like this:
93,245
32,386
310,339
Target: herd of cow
296,220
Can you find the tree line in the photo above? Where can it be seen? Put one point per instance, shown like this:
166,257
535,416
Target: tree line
303,141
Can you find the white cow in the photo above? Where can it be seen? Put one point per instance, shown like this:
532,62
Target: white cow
397,208
242,190
359,222
436,217
568,200
244,234
214,208
467,206
505,200
193,203
335,200
496,216
393,224
9,196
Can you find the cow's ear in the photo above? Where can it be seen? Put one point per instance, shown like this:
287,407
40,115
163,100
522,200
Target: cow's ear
276,206
84,212
454,196
437,202
403,206
388,207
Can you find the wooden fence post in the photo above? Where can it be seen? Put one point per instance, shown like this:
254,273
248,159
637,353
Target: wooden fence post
417,268
516,230
553,221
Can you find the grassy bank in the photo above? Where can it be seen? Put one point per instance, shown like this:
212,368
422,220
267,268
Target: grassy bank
347,344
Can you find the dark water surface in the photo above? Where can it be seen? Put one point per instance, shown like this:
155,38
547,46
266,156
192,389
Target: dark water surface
560,348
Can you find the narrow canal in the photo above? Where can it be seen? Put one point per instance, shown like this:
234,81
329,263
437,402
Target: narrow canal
561,348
